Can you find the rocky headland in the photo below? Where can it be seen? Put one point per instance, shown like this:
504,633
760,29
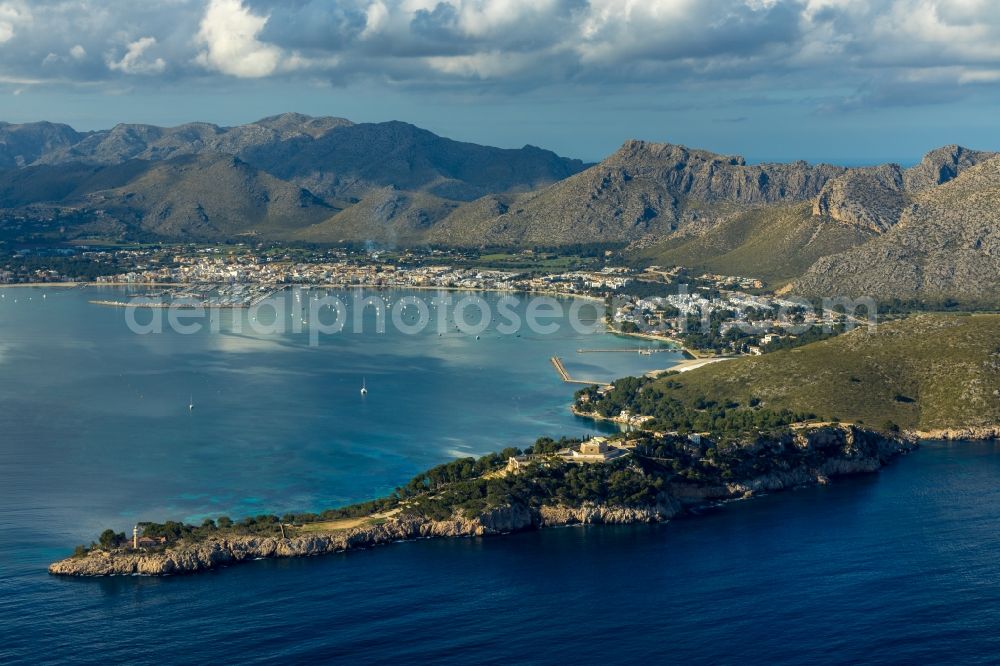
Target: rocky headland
830,452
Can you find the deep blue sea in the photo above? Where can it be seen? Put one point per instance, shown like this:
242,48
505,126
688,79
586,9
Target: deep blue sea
95,431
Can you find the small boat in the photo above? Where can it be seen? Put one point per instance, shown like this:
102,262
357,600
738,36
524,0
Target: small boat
364,387
191,404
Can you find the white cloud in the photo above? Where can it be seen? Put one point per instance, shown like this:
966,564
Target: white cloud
134,60
12,15
76,53
815,48
376,17
482,65
229,32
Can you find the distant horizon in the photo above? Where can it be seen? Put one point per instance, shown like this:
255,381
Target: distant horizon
844,161
839,82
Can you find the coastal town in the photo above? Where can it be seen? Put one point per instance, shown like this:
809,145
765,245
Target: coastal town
708,315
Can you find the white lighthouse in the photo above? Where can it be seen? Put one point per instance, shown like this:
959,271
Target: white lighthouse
135,537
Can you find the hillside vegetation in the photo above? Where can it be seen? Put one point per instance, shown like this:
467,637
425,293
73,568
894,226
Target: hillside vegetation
920,373
776,244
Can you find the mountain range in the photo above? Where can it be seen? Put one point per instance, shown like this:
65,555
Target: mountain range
274,177
924,232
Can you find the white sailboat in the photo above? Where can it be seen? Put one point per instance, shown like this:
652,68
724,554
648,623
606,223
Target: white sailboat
364,386
191,404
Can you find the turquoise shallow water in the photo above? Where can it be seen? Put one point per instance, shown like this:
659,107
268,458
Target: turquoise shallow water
96,429
897,567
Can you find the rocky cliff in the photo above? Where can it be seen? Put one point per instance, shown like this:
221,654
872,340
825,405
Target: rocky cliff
875,198
216,552
942,165
946,245
870,198
967,433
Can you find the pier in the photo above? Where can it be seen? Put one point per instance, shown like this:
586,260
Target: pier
565,376
640,350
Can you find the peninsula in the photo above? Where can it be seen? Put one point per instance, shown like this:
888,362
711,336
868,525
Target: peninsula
720,432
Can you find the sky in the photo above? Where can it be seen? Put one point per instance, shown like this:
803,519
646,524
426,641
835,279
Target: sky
846,81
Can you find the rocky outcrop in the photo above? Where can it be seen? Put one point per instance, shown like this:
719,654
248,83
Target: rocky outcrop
844,450
969,433
875,198
942,165
870,198
666,507
216,552
945,246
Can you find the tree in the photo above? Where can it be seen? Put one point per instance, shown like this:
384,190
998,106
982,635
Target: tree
109,539
224,522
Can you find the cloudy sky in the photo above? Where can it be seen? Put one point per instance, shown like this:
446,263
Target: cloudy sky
841,80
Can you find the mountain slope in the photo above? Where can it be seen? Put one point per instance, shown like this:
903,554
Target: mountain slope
64,183
922,373
355,159
644,189
206,197
875,197
386,216
774,243
398,175
945,246
22,145
149,142
781,242
333,157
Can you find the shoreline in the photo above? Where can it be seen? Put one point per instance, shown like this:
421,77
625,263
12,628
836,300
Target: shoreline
291,285
683,500
678,497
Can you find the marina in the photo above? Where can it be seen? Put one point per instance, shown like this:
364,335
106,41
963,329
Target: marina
645,351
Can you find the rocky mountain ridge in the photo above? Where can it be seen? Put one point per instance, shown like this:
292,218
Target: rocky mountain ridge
644,189
945,246
328,180
875,198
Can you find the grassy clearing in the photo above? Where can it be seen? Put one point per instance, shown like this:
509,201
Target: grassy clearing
344,523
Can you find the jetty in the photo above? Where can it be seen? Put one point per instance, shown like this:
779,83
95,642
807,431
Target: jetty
637,350
565,376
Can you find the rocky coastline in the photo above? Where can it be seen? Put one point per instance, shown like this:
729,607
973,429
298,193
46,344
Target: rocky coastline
965,433
218,552
860,452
